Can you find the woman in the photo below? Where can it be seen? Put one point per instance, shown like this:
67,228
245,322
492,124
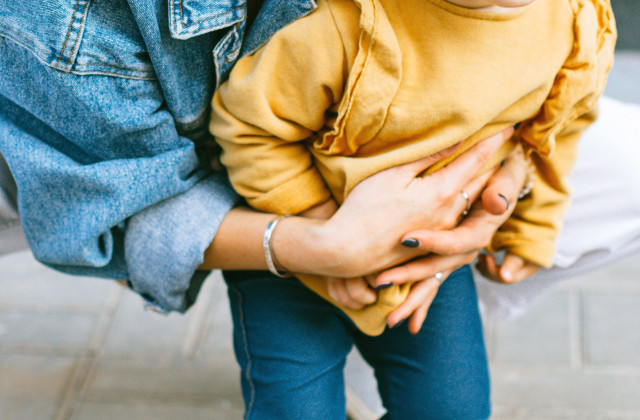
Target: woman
103,117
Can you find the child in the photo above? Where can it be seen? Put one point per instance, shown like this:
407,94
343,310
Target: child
360,86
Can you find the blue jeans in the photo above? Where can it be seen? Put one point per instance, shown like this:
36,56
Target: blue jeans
291,346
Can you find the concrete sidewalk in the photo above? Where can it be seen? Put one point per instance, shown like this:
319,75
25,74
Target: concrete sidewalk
78,348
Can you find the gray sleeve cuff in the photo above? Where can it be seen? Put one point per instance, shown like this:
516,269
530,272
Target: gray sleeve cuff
165,243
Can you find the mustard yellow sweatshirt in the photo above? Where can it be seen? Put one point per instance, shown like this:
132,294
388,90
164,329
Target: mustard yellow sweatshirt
360,86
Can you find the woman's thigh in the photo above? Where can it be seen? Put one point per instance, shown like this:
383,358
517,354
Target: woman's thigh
442,372
291,346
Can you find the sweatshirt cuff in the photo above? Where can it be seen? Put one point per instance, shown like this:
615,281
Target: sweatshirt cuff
165,243
295,195
540,252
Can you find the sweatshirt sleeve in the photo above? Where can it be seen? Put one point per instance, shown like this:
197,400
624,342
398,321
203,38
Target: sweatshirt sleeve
273,105
532,229
552,136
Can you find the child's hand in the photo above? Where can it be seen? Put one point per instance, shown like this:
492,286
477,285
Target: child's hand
512,270
353,293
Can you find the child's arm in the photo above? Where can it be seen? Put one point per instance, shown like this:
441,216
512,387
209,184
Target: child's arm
531,231
553,136
274,103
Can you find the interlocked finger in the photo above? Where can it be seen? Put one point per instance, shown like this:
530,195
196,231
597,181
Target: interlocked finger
468,203
425,267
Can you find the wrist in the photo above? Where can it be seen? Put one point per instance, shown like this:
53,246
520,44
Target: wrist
269,255
305,245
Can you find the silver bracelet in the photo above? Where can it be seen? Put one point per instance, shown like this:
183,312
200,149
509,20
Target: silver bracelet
269,256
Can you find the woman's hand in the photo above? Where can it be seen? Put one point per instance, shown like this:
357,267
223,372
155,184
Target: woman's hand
365,233
473,233
417,304
354,293
321,211
449,249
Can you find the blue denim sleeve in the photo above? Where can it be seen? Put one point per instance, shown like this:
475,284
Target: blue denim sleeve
103,107
165,243
100,128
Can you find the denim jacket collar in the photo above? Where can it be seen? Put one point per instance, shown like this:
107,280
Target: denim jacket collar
274,14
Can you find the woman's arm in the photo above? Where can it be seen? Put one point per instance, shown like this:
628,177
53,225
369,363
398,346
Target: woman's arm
365,234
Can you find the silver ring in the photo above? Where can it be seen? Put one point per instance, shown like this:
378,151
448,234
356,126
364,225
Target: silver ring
466,197
439,276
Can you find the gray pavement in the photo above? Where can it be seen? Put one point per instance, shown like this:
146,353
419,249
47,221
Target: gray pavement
575,354
79,348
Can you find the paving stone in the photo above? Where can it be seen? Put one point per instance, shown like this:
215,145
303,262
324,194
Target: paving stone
218,377
31,386
29,330
555,389
612,329
501,413
220,410
15,408
136,332
27,283
541,336
217,334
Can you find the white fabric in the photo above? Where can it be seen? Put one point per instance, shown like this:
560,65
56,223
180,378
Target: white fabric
603,222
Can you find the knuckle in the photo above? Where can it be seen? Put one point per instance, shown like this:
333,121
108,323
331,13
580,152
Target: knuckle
468,259
451,220
483,155
456,247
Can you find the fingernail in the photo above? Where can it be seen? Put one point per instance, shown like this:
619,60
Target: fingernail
411,243
505,200
517,125
384,286
396,324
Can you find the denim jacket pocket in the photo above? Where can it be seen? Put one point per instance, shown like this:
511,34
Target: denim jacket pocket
79,36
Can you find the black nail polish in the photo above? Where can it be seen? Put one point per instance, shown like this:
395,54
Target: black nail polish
516,126
505,200
411,243
384,286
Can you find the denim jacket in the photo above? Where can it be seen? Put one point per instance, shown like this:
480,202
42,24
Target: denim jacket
104,107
